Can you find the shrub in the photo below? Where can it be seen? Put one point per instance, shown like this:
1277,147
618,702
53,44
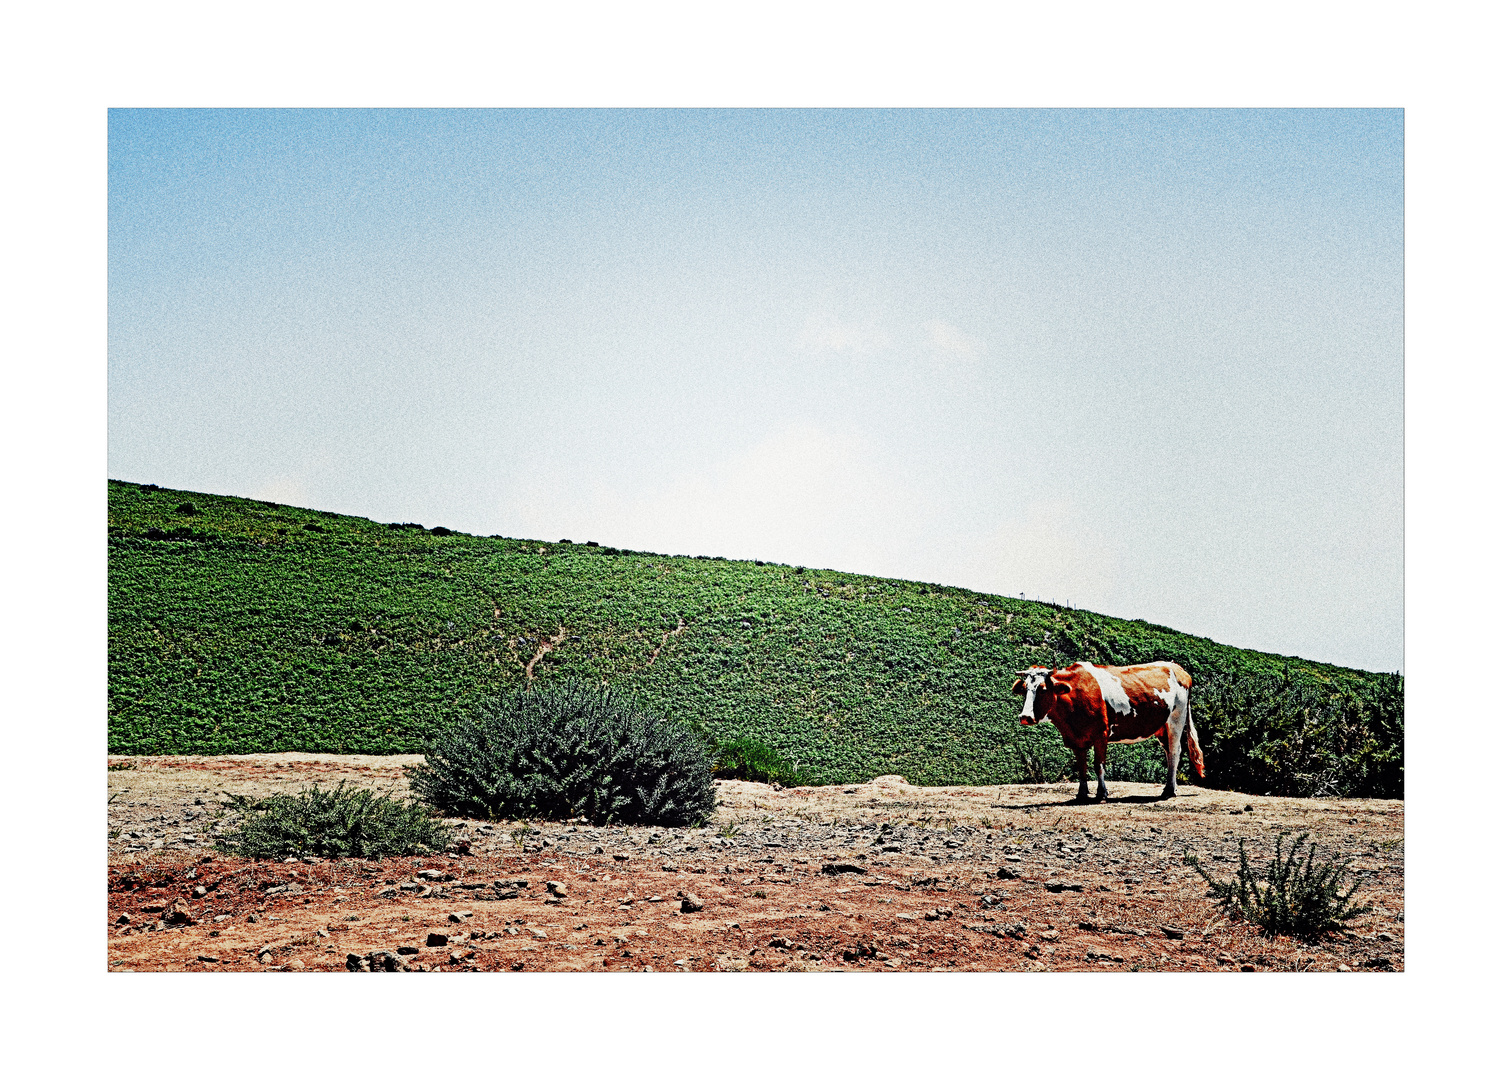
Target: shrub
1298,898
751,759
568,751
1292,735
333,824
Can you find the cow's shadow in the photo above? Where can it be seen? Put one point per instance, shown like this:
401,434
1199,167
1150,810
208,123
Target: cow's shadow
1119,800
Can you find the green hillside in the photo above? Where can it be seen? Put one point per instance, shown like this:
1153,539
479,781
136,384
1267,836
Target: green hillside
239,626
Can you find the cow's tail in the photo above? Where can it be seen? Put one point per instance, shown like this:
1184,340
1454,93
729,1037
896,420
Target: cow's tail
1194,749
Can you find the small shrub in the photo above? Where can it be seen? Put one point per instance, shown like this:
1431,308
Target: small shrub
1298,898
342,823
187,509
751,759
568,751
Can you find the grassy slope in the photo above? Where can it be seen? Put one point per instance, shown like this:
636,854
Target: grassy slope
260,627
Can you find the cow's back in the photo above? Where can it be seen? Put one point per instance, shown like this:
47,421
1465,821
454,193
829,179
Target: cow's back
1141,697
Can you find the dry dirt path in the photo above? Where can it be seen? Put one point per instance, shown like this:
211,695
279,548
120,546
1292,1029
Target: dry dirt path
880,876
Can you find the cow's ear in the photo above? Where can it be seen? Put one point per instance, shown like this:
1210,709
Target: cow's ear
1060,688
1018,687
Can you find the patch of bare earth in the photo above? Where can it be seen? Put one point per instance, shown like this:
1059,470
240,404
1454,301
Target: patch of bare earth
880,876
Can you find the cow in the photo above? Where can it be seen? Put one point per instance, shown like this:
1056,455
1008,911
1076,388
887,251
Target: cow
1092,705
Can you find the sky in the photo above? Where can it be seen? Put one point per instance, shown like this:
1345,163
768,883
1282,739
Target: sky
1146,362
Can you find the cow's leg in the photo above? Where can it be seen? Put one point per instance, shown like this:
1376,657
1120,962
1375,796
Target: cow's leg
1081,770
1101,749
1173,731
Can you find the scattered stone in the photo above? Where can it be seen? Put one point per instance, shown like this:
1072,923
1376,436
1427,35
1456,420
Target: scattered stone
1005,874
1049,935
458,916
781,943
692,903
556,888
408,950
430,875
177,914
382,960
435,940
841,868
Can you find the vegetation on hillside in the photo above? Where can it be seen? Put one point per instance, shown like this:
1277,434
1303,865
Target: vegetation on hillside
239,626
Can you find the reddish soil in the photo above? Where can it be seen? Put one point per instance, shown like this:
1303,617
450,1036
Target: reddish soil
881,876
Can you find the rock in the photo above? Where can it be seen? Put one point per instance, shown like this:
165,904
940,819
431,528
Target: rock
122,919
619,857
322,933
1098,953
296,965
1246,967
1005,874
434,940
407,950
556,888
1061,886
388,893
199,891
177,914
458,916
1173,932
208,959
429,875
252,918
382,960
692,903
353,963
840,868
1049,935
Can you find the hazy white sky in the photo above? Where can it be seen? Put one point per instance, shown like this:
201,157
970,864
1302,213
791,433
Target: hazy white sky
1149,362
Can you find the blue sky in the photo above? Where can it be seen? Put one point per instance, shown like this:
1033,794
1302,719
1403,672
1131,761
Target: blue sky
1147,361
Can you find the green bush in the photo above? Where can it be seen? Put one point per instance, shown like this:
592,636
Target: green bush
1296,735
332,824
568,751
1298,898
751,759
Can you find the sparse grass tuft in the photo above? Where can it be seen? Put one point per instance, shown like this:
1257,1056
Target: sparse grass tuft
1298,898
751,759
341,823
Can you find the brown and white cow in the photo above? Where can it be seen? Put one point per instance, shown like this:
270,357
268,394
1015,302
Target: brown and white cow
1092,705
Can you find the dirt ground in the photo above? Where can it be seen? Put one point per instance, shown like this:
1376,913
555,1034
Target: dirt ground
880,876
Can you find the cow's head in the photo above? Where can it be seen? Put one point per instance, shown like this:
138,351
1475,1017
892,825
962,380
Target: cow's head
1039,687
